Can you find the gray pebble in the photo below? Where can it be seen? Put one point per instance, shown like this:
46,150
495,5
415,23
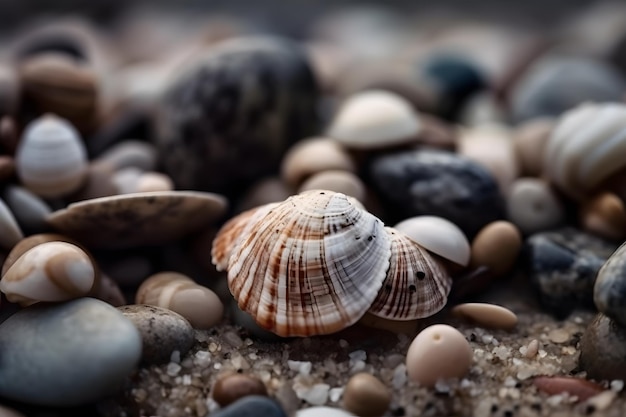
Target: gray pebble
66,354
440,183
556,84
252,406
609,291
562,266
603,349
29,209
162,331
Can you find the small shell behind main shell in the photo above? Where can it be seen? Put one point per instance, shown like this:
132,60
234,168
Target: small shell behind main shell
312,264
417,284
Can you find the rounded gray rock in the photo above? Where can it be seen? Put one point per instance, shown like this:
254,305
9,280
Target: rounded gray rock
609,290
163,331
603,349
66,354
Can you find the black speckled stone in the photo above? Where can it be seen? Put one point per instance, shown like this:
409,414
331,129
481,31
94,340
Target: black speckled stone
555,84
562,266
433,182
609,291
230,115
603,349
252,406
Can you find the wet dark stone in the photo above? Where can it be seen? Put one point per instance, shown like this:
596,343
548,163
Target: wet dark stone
603,349
440,183
252,406
556,84
231,114
609,292
562,266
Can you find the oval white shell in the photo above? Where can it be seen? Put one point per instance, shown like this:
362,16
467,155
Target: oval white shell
586,147
417,284
51,159
312,264
53,271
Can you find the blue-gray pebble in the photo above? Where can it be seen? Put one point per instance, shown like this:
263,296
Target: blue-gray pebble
66,354
252,406
609,291
562,266
556,84
433,182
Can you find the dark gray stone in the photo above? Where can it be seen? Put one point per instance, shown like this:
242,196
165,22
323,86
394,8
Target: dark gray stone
609,291
66,354
440,183
162,331
252,406
603,349
562,265
230,116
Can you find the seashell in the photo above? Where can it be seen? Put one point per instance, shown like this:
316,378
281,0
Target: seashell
375,119
314,264
417,284
137,219
439,236
51,159
52,271
179,293
586,147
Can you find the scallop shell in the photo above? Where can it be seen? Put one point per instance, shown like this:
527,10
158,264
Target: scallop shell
53,271
51,159
417,284
312,264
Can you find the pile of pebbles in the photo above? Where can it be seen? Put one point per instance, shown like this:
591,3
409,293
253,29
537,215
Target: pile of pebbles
122,157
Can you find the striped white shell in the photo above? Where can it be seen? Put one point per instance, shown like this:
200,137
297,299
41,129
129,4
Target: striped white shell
315,263
417,284
51,159
586,147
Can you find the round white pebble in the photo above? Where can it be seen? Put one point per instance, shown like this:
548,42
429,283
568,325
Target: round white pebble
323,412
438,352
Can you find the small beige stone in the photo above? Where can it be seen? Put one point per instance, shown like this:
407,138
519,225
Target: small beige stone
366,396
230,387
533,206
529,141
438,352
487,315
153,181
532,349
496,246
311,156
339,181
559,336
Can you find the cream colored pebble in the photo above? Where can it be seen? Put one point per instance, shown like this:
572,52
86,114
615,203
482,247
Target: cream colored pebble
496,246
604,215
339,181
529,141
438,352
533,206
486,315
153,181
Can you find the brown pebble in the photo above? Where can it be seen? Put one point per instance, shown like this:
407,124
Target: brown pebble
578,387
496,246
559,336
529,141
487,315
605,216
232,386
366,396
7,168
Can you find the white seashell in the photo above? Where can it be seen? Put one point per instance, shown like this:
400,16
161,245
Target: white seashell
417,284
586,147
315,264
375,119
53,271
312,264
51,159
439,236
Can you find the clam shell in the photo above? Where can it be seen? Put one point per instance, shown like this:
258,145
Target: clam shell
51,159
417,284
137,219
53,271
312,264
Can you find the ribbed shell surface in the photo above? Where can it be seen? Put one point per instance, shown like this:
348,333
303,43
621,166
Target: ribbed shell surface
417,284
310,265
